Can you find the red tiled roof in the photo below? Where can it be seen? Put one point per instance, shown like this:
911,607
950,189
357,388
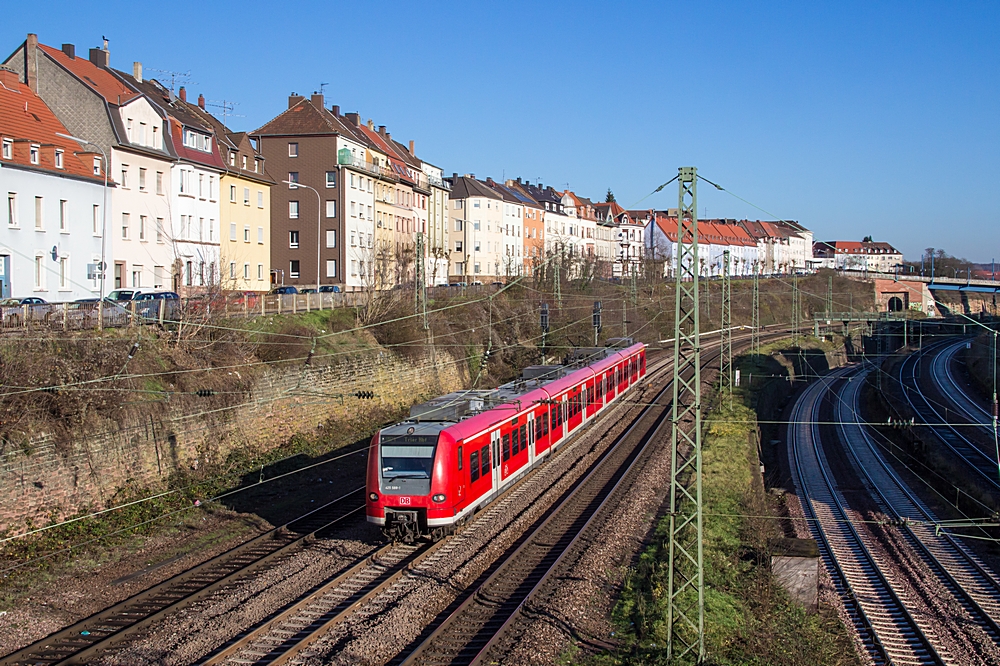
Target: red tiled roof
102,81
25,118
856,247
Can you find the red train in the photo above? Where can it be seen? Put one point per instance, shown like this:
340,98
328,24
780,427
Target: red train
457,453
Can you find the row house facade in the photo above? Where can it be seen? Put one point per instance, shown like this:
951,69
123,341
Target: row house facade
55,201
533,228
476,232
628,238
874,256
512,224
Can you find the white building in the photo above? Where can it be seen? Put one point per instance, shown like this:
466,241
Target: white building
476,233
55,194
877,257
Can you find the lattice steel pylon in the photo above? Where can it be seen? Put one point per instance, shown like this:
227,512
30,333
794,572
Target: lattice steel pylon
686,577
420,280
726,355
796,312
755,314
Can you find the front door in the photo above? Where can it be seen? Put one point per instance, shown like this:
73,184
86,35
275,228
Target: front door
4,276
119,276
532,424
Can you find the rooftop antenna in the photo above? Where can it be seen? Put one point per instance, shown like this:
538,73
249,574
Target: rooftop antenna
175,77
321,88
227,109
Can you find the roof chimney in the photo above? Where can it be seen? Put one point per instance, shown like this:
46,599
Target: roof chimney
137,71
371,124
412,152
201,102
294,99
183,94
69,50
454,176
381,130
317,100
335,109
31,62
354,118
99,57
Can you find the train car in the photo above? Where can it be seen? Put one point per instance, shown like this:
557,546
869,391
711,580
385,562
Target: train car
459,452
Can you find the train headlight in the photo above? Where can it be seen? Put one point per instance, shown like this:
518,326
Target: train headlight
373,497
438,498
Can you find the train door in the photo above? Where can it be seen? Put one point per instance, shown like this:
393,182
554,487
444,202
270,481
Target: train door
532,425
495,447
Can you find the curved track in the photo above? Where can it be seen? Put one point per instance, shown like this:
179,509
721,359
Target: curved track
885,626
973,585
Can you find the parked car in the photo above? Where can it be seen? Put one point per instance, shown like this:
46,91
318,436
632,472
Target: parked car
284,290
11,311
307,291
148,305
124,295
329,289
27,300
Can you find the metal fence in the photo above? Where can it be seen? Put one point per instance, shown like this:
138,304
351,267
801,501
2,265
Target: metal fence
121,314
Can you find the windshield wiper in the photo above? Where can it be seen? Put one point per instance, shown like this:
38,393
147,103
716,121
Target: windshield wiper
405,476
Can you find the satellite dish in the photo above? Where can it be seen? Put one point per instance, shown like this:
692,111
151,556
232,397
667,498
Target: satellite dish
55,253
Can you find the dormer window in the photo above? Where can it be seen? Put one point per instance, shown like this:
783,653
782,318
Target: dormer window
97,166
34,153
198,141
8,149
293,150
244,162
232,159
257,168
59,159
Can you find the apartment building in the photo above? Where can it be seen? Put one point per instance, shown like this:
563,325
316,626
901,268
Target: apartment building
476,231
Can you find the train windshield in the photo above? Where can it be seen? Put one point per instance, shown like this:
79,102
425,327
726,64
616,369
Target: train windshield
407,456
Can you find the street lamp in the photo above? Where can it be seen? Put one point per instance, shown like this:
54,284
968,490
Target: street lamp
104,212
319,221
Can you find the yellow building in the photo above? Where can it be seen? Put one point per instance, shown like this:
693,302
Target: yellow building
245,235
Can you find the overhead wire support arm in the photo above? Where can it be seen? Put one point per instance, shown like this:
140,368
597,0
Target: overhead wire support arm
686,579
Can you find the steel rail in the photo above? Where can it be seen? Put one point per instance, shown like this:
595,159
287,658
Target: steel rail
923,407
82,641
957,569
884,625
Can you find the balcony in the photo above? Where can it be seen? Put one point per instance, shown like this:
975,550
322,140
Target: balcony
359,164
434,181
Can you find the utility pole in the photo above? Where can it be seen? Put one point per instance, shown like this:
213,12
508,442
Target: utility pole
755,314
829,295
420,293
624,318
726,355
686,577
558,288
796,314
597,321
635,290
543,321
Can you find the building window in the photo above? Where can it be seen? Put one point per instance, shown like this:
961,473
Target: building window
34,154
159,182
142,179
232,270
95,220
156,137
293,268
331,178
142,227
246,196
12,209
260,198
232,194
246,234
8,149
458,246
136,276
124,182
260,235
201,185
211,230
244,162
39,272
293,150
97,166
293,177
353,212
232,159
232,231
159,230
63,272
331,268
260,271
125,217
331,209
246,271
476,269
59,159
331,238
39,211
63,215
293,210
293,239
258,166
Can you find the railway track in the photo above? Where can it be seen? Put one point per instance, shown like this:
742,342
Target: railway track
948,385
929,411
887,630
972,584
83,641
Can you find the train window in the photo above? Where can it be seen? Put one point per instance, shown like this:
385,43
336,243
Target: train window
524,438
517,442
506,448
553,416
545,427
460,459
474,465
484,460
538,428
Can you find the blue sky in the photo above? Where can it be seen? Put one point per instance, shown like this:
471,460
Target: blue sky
853,118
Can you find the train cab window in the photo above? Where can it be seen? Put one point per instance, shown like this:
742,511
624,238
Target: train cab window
474,465
460,459
506,448
484,460
407,456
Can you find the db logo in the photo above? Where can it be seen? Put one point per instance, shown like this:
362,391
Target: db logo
505,470
404,500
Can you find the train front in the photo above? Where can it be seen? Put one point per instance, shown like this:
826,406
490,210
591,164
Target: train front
404,485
